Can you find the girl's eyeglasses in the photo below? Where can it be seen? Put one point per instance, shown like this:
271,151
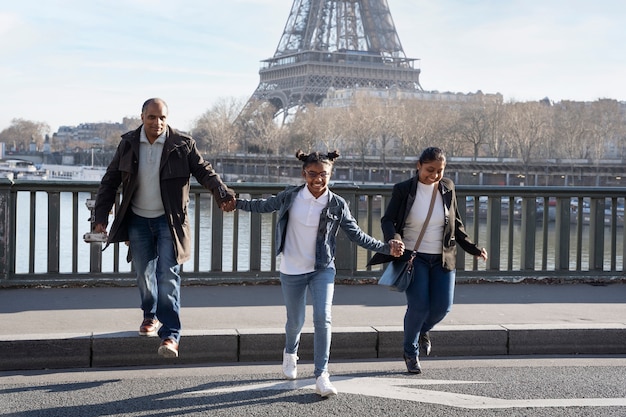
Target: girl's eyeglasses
313,174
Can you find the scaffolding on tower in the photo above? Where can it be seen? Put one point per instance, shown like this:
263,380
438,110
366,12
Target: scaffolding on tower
332,44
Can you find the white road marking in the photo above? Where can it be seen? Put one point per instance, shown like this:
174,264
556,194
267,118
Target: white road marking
405,389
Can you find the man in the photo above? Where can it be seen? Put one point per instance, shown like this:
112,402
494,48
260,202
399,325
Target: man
154,163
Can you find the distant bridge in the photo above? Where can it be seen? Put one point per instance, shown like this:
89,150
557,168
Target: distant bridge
464,170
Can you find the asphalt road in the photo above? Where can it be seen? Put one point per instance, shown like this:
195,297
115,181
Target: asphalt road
512,386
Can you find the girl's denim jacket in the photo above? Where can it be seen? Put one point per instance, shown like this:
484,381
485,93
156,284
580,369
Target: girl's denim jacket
335,215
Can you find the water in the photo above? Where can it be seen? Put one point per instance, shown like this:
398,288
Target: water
66,256
481,238
83,249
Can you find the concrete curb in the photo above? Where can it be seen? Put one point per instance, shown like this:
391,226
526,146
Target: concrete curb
29,352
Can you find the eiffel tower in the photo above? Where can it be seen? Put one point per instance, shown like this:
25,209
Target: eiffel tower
333,44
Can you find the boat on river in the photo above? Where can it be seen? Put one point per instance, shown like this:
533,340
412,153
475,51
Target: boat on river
20,169
74,172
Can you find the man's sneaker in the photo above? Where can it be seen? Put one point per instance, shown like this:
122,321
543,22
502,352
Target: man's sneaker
168,349
424,343
290,365
149,327
323,386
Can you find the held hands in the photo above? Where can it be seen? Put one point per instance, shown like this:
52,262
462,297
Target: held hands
229,205
483,254
397,247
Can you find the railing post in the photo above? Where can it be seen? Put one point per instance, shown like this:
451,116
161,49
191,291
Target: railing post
345,261
54,231
461,201
562,234
217,235
255,239
596,234
623,244
494,222
196,233
95,249
5,227
529,224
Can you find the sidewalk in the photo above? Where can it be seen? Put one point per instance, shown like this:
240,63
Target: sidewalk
92,327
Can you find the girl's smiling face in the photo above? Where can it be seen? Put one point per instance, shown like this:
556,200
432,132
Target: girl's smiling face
430,172
317,175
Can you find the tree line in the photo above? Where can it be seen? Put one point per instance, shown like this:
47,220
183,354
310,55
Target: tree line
523,130
382,128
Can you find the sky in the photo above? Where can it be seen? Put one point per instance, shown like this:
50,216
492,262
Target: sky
66,62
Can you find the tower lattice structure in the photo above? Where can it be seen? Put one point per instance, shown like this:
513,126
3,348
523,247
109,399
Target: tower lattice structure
333,44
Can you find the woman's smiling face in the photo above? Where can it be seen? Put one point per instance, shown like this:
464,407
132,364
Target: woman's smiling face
430,172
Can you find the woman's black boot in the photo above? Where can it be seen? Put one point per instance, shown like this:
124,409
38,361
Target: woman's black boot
412,365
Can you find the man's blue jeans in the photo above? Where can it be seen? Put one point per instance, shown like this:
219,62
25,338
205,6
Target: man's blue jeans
429,298
158,279
322,286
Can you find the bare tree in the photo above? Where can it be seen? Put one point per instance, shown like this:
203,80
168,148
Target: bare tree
528,125
385,130
446,133
358,132
301,131
263,134
571,125
214,130
21,133
606,127
474,127
417,125
329,129
314,128
496,143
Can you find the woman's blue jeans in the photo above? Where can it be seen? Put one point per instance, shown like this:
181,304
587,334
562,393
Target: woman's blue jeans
158,274
429,298
322,286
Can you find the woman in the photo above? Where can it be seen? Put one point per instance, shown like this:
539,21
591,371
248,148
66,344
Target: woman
430,294
309,217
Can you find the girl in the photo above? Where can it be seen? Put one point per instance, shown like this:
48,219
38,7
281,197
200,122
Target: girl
309,217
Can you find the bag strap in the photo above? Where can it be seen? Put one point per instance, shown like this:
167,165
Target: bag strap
421,235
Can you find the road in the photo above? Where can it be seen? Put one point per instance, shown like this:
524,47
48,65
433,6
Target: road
511,386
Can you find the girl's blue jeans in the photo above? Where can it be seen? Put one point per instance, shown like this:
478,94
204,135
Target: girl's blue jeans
322,286
429,298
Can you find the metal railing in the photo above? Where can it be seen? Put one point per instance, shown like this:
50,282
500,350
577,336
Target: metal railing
530,233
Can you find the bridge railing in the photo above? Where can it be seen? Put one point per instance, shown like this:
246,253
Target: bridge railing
530,232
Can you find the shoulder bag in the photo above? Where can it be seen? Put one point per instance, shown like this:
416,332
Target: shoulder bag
399,274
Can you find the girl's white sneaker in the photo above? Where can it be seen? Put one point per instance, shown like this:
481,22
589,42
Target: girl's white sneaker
323,386
290,365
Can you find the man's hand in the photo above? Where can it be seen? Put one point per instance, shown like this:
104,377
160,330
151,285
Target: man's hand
97,235
230,205
100,228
